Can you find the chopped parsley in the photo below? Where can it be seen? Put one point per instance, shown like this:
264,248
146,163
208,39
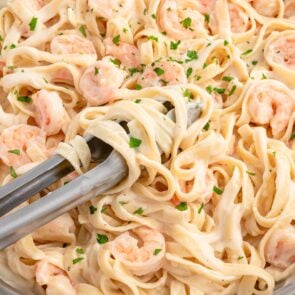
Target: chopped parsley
24,98
254,62
225,42
92,209
209,89
189,71
125,30
1,38
292,136
250,173
232,91
104,209
77,260
134,70
33,23
227,78
45,80
134,142
274,153
159,71
153,16
219,90
207,126
116,40
123,203
205,65
174,46
154,38
240,257
264,76
138,87
115,61
12,46
82,29
96,71
192,54
217,190
207,18
138,100
12,172
247,52
188,94
15,152
101,239
157,251
80,251
138,211
201,208
182,206
187,22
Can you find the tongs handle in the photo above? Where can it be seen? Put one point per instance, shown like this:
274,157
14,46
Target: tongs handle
43,175
96,181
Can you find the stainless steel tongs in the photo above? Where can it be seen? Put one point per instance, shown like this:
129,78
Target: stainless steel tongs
110,171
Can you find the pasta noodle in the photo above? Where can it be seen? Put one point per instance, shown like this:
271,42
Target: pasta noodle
198,97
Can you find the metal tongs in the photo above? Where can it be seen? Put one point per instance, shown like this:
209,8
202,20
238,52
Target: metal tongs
111,170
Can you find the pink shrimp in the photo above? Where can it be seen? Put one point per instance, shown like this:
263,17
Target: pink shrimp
162,73
61,229
63,76
206,6
238,18
127,54
280,248
72,44
140,260
14,142
266,7
271,103
181,22
54,277
282,50
100,82
290,9
50,112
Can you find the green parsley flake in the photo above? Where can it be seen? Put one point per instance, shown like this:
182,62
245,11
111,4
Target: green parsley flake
247,52
219,90
138,211
264,76
12,46
157,251
33,23
274,153
115,61
205,65
1,38
77,260
134,142
182,206
12,172
96,71
187,22
292,136
188,94
45,80
232,91
80,251
154,38
240,257
92,209
153,16
174,46
138,100
24,98
254,62
123,203
104,209
217,190
192,54
189,71
201,208
101,239
134,70
159,71
16,152
207,126
209,89
116,40
250,173
138,87
82,29
207,18
225,42
227,78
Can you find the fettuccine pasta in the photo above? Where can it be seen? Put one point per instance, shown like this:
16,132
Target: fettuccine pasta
198,97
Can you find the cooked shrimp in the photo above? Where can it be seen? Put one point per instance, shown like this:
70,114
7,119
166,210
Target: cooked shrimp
181,22
111,9
238,18
140,260
271,103
206,6
127,54
60,285
282,50
61,229
162,73
71,44
280,248
266,7
100,82
44,270
290,9
50,112
14,142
